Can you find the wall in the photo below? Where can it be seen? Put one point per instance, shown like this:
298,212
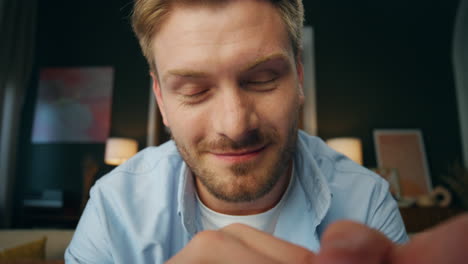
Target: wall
387,64
83,33
380,64
460,62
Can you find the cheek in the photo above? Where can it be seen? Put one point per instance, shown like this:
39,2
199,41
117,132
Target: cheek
279,111
186,125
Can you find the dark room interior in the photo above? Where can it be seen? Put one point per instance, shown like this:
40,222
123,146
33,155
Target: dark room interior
379,65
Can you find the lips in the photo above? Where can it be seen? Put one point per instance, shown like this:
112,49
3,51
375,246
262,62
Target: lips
239,155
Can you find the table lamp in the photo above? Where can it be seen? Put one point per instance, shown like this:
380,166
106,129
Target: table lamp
118,150
349,146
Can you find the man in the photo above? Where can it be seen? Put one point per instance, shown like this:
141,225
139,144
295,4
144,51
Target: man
238,183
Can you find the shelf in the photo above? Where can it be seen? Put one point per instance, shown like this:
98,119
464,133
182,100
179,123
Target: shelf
420,219
33,217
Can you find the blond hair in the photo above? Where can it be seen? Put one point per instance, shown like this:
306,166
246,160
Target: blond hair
148,17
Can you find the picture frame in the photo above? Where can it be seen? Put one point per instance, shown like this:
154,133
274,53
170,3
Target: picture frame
309,114
403,150
156,131
154,120
73,105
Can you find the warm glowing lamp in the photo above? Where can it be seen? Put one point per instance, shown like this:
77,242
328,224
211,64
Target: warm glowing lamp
350,147
118,150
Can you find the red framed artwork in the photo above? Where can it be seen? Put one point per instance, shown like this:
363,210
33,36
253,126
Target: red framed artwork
404,151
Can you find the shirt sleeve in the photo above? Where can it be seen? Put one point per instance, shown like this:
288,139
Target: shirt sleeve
90,241
386,216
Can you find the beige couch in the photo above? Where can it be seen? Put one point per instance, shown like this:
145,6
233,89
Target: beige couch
57,240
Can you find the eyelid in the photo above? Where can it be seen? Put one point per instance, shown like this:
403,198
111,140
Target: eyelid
273,78
262,77
186,86
195,94
195,98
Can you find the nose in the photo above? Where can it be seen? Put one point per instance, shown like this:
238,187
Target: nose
235,116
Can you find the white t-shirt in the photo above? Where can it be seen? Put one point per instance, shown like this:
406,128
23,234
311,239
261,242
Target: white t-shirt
265,221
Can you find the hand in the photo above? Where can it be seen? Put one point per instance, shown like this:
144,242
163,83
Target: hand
239,243
343,242
348,242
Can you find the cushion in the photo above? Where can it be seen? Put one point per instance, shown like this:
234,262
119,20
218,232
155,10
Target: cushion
57,239
34,250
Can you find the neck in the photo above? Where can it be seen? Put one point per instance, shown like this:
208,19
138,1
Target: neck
257,206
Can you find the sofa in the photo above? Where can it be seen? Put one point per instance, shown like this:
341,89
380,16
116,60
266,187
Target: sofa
56,241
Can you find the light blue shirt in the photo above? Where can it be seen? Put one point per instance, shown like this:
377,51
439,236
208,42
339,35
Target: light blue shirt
145,210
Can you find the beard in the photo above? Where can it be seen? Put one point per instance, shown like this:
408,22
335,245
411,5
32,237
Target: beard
245,181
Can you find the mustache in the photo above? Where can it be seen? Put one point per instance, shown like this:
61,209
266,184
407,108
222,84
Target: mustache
251,139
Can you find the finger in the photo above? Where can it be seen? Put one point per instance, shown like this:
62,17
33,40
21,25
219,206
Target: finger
446,243
351,242
266,244
217,247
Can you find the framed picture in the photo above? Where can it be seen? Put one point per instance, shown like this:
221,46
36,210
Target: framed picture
404,151
156,131
391,175
73,105
309,115
154,120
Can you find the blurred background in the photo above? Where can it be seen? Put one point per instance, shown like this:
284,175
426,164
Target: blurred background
378,65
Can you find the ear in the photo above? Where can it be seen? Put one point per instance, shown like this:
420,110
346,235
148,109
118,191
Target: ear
158,94
300,77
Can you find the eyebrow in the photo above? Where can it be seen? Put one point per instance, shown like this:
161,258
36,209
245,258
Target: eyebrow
264,59
186,73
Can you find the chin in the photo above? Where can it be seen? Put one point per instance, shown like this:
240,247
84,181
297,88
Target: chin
244,183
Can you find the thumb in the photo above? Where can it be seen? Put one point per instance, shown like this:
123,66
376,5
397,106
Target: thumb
446,243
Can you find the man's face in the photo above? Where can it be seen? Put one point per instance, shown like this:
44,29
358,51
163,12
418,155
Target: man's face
229,90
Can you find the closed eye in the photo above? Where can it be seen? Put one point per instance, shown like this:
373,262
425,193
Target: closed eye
261,78
263,81
191,99
193,95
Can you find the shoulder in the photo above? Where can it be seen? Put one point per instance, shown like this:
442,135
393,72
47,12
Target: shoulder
131,209
150,175
149,159
355,189
335,167
154,162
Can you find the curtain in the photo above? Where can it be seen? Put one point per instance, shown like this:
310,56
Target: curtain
460,62
17,39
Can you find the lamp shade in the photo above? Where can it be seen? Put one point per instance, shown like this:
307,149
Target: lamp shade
350,147
118,150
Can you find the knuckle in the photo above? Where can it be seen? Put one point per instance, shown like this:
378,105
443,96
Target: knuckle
206,243
305,257
207,238
234,227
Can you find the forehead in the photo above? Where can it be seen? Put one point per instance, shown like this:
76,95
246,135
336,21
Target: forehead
201,36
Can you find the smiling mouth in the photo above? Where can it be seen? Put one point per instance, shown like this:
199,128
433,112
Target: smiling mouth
239,155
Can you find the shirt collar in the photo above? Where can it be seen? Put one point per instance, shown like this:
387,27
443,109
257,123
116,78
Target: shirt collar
311,178
187,207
